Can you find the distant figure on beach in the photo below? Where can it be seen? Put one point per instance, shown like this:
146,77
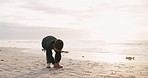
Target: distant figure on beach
50,43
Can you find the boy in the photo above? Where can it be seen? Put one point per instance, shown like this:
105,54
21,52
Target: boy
49,43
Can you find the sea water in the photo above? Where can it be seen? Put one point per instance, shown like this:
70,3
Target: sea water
91,49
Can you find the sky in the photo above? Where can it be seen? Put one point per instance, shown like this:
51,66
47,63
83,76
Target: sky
104,19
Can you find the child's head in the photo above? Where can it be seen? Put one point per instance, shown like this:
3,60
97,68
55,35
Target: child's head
58,45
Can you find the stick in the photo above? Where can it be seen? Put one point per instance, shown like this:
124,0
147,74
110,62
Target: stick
65,51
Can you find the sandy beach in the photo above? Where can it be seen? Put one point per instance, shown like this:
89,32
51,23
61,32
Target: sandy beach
102,38
14,63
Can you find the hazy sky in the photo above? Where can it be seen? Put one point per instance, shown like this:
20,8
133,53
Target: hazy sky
105,19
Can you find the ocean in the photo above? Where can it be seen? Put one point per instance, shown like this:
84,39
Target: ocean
91,49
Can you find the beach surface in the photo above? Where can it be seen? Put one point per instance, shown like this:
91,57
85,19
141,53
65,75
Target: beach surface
17,63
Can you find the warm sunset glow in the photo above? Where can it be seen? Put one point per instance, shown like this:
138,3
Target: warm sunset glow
112,26
108,20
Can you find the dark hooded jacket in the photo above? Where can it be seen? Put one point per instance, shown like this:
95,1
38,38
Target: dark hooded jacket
47,42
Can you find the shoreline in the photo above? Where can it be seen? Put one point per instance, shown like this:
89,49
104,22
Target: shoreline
96,57
34,46
17,64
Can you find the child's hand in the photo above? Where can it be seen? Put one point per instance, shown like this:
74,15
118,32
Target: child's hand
56,65
43,50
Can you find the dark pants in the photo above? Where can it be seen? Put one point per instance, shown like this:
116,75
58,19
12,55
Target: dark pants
50,58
